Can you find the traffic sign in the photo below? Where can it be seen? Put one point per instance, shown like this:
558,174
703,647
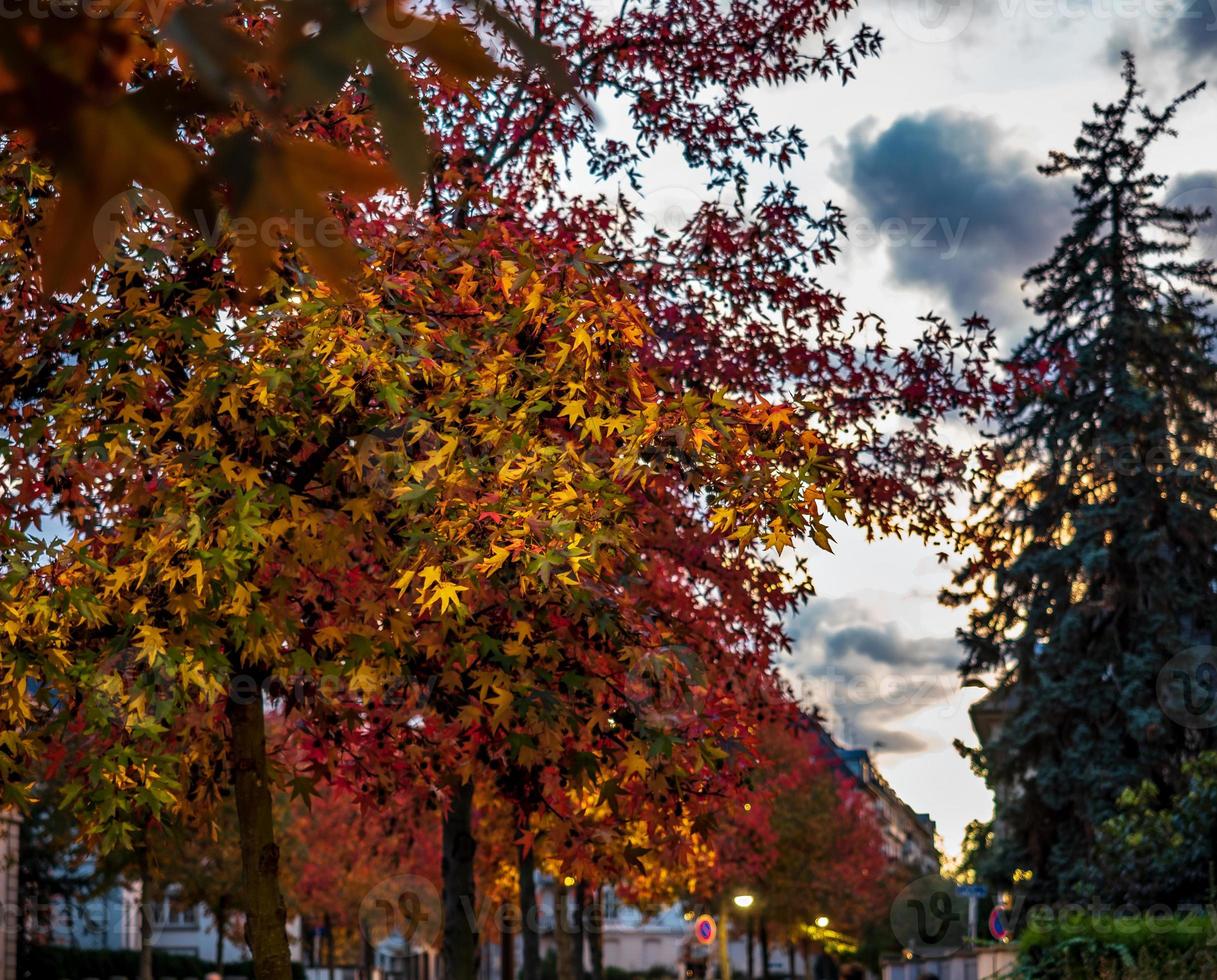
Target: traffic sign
705,929
999,929
971,891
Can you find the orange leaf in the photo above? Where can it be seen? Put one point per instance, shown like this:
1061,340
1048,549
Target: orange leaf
285,201
118,147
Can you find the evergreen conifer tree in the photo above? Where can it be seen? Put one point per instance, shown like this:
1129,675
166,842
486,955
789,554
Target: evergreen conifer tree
1098,539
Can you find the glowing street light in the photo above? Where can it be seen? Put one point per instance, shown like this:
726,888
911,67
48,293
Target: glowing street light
743,901
822,921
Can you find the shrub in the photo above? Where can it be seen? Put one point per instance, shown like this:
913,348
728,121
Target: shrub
1106,947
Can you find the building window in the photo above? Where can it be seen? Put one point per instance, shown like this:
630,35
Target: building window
179,915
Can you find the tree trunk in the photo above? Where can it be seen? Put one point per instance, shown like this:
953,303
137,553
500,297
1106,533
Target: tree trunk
266,914
460,942
329,943
564,933
147,914
724,941
790,959
807,959
507,953
764,950
23,902
220,914
595,934
529,918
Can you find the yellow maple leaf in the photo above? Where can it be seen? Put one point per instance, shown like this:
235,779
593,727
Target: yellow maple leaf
448,595
151,642
582,339
494,561
502,701
195,568
777,539
573,410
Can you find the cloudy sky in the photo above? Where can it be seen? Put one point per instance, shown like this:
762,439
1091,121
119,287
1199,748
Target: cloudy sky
932,151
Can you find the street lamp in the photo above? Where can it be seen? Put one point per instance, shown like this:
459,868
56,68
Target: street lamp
822,921
743,901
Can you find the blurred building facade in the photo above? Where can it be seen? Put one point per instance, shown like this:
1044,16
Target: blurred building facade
989,715
909,838
111,920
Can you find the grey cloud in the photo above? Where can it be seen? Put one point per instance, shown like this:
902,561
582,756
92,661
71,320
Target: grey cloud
867,675
886,740
884,645
1195,30
821,614
829,631
955,206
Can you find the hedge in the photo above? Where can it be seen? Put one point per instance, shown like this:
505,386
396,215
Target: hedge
1106,947
65,963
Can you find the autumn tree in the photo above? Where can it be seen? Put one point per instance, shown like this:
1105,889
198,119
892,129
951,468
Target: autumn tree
732,286
804,842
828,859
342,863
272,472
